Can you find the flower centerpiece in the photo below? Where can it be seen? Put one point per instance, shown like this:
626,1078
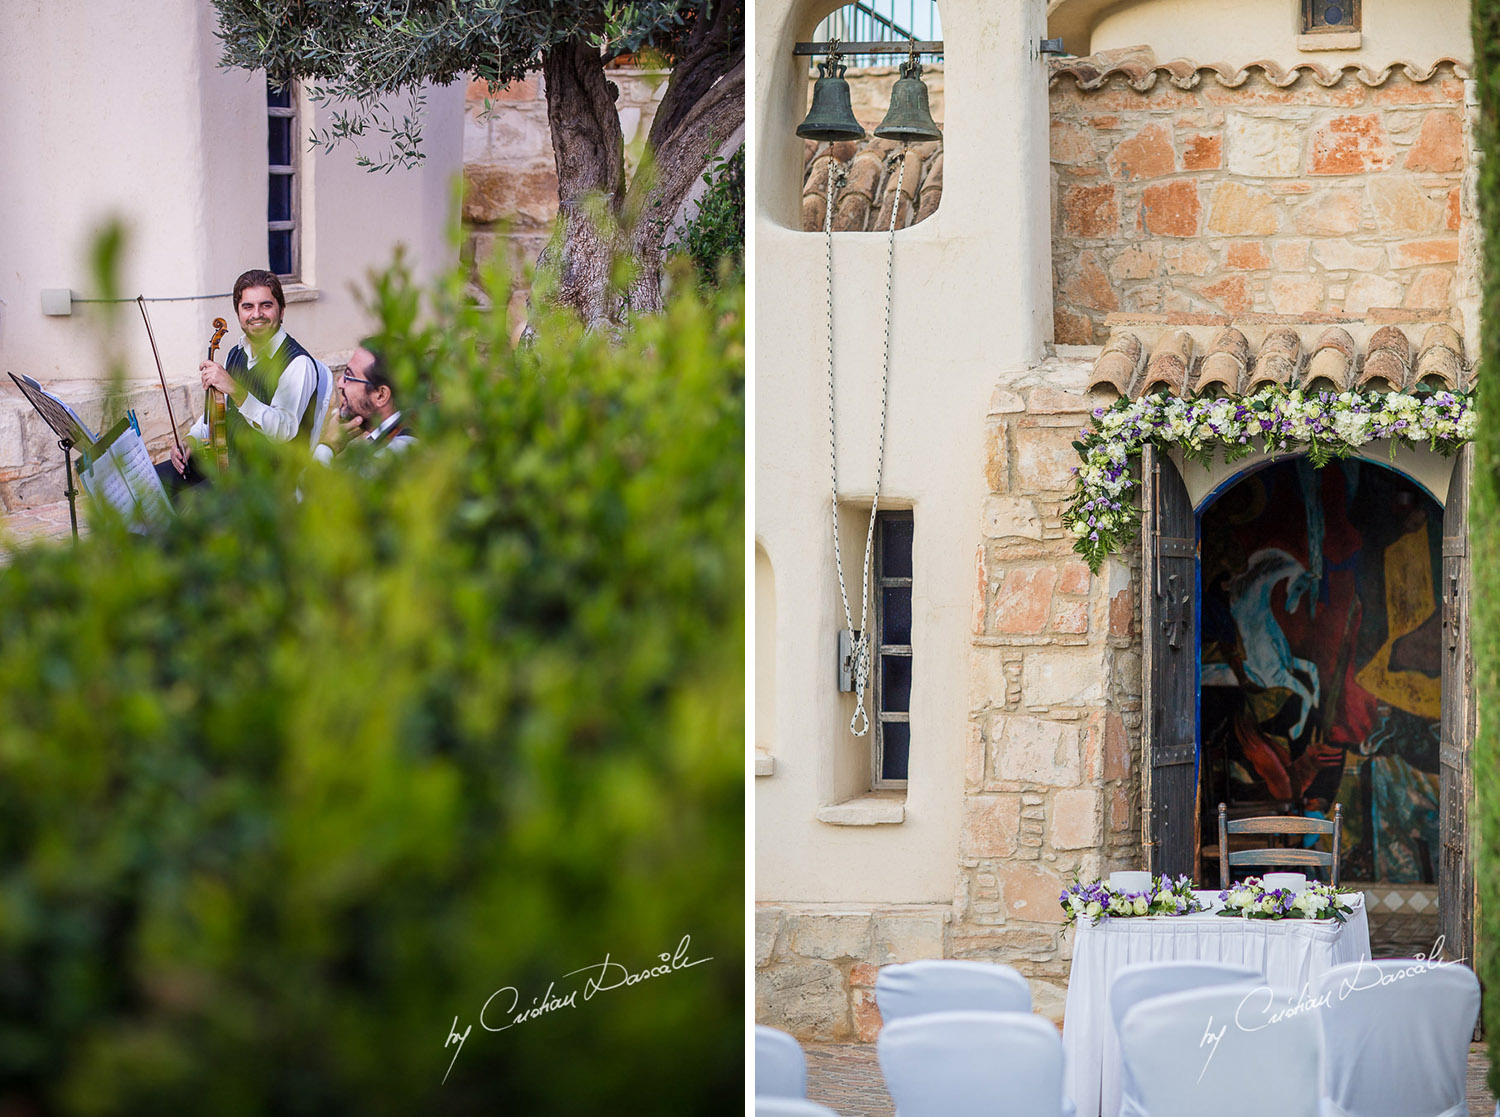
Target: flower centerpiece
1098,900
1277,419
1250,899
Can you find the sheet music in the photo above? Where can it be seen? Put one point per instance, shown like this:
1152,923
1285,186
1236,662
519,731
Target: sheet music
123,477
60,417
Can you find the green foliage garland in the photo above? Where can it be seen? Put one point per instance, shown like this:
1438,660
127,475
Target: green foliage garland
1278,420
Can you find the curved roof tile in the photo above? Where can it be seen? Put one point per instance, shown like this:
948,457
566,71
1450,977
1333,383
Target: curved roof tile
1186,356
1090,74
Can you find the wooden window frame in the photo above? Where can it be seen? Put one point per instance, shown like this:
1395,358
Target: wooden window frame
292,171
1310,26
881,649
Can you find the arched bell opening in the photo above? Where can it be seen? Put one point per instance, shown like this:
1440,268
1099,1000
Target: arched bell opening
1329,665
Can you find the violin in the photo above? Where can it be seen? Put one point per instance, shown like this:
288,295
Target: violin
214,409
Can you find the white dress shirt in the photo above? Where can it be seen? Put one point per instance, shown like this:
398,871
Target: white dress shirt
279,419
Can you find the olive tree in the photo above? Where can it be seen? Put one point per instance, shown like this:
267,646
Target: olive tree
363,52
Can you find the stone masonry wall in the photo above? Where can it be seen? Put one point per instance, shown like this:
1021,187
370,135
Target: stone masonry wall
510,175
1051,781
1257,198
1051,787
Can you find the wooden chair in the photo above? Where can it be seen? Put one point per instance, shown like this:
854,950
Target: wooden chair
1290,826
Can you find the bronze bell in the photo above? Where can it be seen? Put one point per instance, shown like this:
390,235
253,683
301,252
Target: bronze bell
909,119
832,114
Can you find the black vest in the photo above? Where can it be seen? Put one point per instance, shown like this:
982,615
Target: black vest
261,382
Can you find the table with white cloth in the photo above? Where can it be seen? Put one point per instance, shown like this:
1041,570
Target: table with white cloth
1290,953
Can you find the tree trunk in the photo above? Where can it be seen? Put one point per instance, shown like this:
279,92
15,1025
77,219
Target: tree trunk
601,222
590,152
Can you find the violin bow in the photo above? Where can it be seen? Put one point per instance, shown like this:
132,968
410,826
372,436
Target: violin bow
140,301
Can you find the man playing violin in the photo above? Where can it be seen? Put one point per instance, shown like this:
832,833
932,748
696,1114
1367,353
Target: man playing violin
268,379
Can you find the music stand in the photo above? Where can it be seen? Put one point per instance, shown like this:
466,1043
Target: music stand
69,429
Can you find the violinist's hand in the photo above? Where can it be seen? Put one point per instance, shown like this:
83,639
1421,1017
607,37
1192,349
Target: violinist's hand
214,375
179,460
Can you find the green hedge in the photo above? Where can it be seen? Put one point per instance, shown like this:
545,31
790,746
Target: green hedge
1484,536
286,790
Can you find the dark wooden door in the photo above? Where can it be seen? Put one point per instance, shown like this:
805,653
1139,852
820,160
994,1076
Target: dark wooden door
1456,788
1169,570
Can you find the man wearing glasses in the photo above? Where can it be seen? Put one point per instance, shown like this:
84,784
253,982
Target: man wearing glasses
367,406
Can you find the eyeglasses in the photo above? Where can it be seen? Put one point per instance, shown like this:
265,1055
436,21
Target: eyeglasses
354,379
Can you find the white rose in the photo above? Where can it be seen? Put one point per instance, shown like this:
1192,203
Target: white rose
1094,910
1140,905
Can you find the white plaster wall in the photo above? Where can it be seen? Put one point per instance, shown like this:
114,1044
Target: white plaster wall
1419,31
109,109
972,306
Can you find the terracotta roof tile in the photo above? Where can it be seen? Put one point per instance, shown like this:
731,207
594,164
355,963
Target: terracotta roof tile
1119,364
1191,358
1387,361
1171,361
1090,74
1441,361
863,202
1225,366
1331,366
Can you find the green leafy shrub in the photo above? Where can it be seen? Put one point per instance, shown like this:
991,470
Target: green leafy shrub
715,238
291,789
1484,535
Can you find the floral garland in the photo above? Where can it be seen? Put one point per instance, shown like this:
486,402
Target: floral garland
1095,901
1326,425
1250,899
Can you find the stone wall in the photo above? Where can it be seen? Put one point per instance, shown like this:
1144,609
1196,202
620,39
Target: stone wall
1050,787
1284,198
815,964
1051,784
510,175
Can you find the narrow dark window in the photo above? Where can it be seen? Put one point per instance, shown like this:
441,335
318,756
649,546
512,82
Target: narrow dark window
282,239
1329,15
893,661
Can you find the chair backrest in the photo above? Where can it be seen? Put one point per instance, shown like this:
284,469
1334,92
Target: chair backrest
949,985
973,1064
790,1107
322,393
1217,1050
1141,981
780,1065
1396,1035
1290,825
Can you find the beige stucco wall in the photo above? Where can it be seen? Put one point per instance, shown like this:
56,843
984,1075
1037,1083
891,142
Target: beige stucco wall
114,110
1391,30
970,303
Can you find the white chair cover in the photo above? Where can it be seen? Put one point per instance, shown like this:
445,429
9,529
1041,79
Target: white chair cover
972,1064
1396,1038
780,1065
790,1107
1217,1050
322,393
947,985
1140,981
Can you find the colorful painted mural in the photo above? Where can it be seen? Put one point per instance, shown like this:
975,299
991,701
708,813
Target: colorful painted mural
1321,634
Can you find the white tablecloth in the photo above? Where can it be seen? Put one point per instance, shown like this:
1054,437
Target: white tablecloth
1291,953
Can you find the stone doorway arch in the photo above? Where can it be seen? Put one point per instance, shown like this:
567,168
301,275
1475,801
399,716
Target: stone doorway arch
1171,625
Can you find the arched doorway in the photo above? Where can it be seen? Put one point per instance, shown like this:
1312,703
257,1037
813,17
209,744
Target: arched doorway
1305,646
